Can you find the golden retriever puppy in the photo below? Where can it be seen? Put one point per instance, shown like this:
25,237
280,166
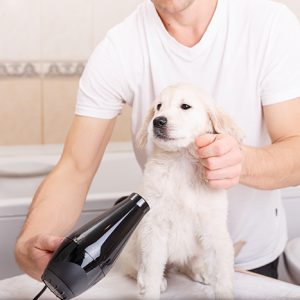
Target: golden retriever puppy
186,225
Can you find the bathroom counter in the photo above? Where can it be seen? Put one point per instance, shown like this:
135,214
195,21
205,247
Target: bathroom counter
115,286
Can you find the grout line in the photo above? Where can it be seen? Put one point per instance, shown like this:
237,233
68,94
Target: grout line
93,25
29,68
42,79
42,110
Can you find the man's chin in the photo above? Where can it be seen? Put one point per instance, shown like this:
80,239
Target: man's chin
170,7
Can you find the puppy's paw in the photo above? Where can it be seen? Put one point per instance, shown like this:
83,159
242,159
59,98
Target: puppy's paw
224,292
201,278
150,295
163,285
141,285
148,291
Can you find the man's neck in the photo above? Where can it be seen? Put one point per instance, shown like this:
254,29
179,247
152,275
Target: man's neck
189,25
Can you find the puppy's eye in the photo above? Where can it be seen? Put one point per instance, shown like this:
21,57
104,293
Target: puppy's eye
158,106
185,106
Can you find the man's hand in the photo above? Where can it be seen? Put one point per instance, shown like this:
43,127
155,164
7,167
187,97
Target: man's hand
34,254
221,156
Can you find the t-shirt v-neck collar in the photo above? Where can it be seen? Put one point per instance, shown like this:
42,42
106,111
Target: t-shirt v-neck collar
189,53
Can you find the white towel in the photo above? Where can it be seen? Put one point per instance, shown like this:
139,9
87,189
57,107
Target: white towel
116,286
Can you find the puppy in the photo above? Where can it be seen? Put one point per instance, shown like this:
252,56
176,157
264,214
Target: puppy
186,225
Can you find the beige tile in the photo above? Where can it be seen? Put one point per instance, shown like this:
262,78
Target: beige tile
20,30
67,29
59,99
108,13
20,113
294,5
122,131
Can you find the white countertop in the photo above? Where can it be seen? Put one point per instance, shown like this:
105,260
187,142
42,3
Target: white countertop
116,286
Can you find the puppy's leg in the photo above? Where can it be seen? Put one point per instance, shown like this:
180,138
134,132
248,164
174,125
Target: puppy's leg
197,269
153,260
224,256
213,260
127,261
218,254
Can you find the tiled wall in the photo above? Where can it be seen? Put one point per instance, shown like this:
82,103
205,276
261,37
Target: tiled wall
44,45
294,5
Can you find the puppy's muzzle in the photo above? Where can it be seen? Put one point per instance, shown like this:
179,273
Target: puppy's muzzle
160,127
160,122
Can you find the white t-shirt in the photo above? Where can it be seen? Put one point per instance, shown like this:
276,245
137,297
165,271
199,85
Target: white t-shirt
249,57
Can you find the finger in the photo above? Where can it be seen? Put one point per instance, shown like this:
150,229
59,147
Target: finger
205,139
230,159
219,147
225,173
48,242
223,183
40,263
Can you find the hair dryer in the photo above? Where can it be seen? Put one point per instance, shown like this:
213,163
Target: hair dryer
85,256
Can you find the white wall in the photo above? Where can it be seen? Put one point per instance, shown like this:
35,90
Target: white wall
63,30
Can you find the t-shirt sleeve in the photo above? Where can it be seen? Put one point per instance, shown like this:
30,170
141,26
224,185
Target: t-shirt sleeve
102,87
281,72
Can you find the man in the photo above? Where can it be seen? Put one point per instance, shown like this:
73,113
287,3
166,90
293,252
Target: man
246,54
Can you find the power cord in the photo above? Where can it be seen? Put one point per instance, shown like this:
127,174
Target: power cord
40,293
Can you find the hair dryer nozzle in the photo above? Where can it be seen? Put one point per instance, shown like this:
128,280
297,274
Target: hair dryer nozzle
88,254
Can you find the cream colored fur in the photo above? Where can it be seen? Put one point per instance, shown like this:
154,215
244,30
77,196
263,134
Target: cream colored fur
186,225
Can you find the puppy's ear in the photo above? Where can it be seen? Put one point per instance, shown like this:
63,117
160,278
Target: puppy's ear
142,135
222,123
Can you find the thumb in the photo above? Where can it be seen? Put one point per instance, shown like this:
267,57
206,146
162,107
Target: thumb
48,242
205,139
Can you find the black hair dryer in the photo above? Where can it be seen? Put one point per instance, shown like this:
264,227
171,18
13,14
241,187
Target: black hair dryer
85,256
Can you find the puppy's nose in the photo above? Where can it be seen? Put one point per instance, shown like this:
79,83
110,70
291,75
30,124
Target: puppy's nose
160,122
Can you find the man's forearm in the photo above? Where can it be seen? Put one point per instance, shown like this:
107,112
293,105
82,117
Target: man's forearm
272,167
57,204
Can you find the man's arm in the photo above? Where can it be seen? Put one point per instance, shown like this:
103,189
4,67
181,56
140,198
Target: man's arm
271,167
278,165
58,201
